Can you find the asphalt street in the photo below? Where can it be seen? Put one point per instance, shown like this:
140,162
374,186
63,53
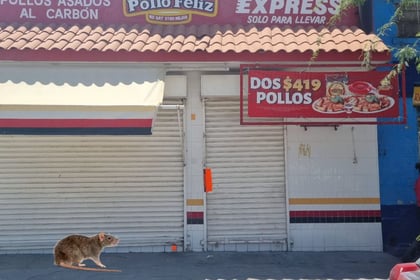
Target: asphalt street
209,266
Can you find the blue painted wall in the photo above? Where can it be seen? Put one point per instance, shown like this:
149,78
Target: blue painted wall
398,153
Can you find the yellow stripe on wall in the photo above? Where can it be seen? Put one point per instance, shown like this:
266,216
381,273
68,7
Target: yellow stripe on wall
195,202
343,200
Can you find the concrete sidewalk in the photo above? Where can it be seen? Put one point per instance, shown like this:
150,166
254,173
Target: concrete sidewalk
212,266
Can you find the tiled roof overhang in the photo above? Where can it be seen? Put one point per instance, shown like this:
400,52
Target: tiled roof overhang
153,43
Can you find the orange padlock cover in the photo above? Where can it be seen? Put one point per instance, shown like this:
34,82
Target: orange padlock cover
208,181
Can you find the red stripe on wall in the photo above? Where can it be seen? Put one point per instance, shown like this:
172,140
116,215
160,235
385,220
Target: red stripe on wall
69,123
195,215
195,218
333,214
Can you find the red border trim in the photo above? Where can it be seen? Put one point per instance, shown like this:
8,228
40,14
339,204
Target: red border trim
196,56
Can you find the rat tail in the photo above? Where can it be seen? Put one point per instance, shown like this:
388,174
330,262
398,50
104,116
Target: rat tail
87,268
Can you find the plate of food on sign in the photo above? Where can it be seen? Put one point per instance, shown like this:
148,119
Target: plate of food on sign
359,97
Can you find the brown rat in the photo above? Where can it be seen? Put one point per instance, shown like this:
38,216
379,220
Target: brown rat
71,251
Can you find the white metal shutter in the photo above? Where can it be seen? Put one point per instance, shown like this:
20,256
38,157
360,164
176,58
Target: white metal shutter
130,186
247,208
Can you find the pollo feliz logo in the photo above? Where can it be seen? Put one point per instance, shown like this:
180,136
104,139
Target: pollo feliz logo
170,11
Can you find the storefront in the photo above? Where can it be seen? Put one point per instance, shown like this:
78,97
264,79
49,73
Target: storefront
111,111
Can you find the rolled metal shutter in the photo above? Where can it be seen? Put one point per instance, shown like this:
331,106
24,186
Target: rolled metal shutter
247,208
130,186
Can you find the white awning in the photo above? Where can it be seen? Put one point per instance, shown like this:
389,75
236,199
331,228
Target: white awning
99,103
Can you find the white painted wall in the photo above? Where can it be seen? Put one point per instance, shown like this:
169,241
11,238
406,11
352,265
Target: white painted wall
195,238
327,163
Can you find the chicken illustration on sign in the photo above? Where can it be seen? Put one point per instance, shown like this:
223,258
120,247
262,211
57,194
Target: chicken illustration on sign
291,94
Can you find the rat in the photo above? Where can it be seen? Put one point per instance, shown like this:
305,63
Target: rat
74,249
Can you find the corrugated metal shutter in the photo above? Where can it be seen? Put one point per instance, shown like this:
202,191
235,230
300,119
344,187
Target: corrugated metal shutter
130,186
247,208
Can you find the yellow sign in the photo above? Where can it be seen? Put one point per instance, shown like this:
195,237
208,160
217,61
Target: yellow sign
416,95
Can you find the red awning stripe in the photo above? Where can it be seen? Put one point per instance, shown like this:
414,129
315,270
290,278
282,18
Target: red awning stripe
75,123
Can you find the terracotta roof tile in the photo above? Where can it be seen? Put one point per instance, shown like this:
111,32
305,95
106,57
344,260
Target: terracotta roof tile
130,36
6,32
5,43
206,38
87,45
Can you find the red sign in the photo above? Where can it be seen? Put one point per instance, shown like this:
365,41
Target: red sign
256,12
321,95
